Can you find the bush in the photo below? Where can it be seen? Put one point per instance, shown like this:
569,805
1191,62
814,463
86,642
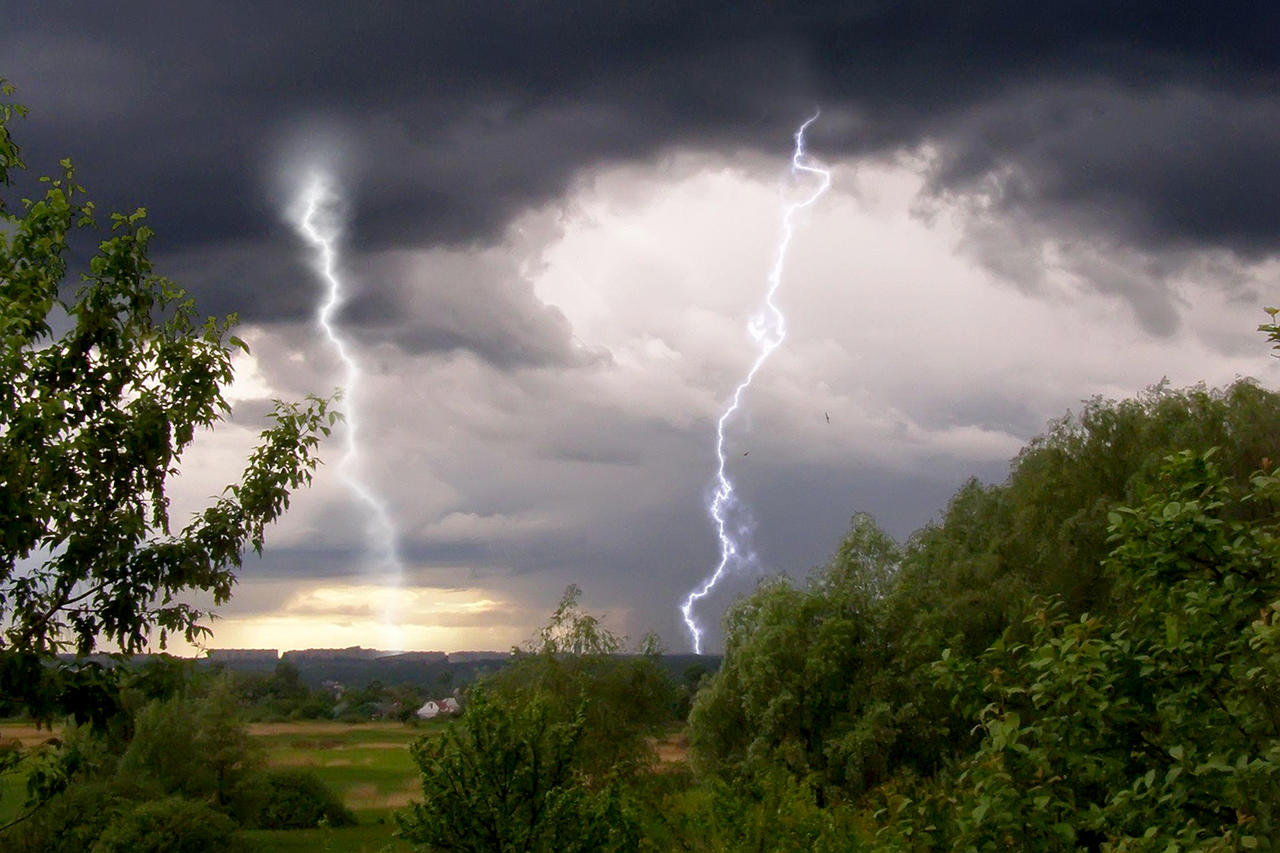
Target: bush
69,822
504,778
297,799
171,825
196,748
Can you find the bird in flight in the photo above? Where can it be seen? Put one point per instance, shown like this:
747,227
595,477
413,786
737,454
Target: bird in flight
828,417
748,453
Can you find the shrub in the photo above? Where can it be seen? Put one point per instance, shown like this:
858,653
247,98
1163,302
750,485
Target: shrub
67,823
171,825
504,778
297,799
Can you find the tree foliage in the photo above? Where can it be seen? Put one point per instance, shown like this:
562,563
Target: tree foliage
575,666
836,683
798,664
1152,727
508,778
103,386
299,799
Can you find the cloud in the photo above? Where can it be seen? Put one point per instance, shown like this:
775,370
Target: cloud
1148,126
558,223
478,301
516,482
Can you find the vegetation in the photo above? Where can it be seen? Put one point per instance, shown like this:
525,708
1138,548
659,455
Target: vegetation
298,799
543,753
102,388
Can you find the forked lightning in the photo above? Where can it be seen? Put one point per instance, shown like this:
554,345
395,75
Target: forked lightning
768,329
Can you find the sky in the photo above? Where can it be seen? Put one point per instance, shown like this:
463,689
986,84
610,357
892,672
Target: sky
558,217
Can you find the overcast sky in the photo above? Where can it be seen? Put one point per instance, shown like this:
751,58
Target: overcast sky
558,218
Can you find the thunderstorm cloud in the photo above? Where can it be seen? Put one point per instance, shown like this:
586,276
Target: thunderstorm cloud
559,215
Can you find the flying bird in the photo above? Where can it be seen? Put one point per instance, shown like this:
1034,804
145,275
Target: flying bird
747,453
828,417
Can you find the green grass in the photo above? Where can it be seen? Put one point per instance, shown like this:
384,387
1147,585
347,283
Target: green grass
366,764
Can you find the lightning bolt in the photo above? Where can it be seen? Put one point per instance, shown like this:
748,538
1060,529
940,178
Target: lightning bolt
316,223
768,329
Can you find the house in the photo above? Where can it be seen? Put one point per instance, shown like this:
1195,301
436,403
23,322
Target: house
432,708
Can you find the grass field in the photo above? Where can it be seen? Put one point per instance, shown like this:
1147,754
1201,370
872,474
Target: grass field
367,764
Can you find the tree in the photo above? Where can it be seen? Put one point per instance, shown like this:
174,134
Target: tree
575,665
195,747
507,778
1154,726
799,670
548,749
103,386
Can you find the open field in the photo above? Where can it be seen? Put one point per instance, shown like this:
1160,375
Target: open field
367,764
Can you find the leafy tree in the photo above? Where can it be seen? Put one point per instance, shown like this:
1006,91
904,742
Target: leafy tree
1154,726
549,747
507,778
170,825
771,812
195,747
103,386
799,664
575,666
299,799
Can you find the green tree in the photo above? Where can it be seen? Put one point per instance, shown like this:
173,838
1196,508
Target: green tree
299,799
170,825
196,747
1154,726
507,778
575,666
799,673
103,386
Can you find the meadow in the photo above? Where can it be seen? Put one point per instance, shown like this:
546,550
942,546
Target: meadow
366,764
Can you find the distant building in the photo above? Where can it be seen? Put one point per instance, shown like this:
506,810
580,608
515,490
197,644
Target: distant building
243,655
469,657
414,657
350,653
431,708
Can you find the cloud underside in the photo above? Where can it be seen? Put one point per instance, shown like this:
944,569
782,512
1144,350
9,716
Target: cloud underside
1148,130
558,222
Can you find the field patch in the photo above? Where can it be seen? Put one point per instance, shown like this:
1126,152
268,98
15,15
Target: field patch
366,764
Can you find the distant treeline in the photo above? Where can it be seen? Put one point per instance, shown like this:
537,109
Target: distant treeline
414,668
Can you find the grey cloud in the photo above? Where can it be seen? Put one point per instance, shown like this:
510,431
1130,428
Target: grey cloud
1137,138
1151,123
446,301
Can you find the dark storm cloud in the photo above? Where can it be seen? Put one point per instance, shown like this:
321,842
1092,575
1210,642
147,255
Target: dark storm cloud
1153,125
473,301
